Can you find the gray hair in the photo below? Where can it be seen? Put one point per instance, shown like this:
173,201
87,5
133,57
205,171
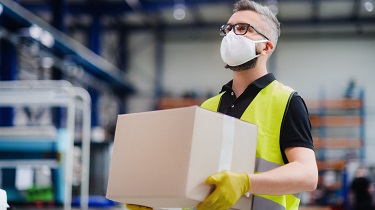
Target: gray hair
272,25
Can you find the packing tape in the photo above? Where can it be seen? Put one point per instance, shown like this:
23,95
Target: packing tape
226,152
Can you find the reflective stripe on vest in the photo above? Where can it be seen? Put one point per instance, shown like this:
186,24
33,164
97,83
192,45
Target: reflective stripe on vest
267,112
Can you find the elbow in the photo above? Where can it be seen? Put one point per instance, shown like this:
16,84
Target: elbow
312,182
312,185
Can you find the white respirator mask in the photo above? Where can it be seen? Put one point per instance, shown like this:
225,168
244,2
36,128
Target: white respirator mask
237,49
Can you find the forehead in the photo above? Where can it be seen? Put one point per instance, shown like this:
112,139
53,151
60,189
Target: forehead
246,16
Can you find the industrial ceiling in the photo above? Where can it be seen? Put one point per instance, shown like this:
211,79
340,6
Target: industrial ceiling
206,13
61,17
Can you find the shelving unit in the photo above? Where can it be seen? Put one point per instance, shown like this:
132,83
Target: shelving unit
338,131
170,103
58,142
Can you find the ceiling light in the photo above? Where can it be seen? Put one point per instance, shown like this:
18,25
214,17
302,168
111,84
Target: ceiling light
274,9
1,9
369,6
47,39
35,32
47,62
134,4
273,6
179,12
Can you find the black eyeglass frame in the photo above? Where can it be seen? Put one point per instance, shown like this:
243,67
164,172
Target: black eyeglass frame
232,26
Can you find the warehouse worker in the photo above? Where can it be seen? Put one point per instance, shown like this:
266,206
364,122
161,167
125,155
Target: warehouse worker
361,191
286,164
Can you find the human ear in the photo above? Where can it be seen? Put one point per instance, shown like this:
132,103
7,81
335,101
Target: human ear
268,47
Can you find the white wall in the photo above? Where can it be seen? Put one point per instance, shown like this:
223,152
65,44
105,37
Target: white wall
194,65
142,71
312,65
318,67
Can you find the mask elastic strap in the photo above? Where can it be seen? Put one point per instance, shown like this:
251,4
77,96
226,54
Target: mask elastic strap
257,42
260,41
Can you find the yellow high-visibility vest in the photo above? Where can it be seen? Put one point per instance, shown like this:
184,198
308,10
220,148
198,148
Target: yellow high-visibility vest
266,111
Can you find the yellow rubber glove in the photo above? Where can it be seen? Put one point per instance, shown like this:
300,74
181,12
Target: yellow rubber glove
230,187
137,207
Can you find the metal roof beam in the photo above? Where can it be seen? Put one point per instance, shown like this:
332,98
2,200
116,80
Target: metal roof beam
215,26
111,8
92,63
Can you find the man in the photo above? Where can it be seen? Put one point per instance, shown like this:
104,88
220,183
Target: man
286,162
361,191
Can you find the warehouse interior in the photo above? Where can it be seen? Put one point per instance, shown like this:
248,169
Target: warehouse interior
68,68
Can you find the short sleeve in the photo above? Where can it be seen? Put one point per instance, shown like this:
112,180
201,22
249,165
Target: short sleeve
296,126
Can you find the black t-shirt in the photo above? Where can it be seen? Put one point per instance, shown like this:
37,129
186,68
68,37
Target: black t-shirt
295,128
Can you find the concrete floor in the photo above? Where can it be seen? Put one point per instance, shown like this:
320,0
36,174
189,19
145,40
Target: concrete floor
24,207
60,208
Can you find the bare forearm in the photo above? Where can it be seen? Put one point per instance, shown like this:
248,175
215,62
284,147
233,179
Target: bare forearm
288,179
300,175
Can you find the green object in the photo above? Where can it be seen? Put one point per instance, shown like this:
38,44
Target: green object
44,194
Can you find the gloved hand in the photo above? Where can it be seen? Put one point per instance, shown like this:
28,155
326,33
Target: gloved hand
230,187
137,207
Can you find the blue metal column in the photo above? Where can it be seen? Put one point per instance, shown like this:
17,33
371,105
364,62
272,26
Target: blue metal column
8,71
159,58
8,53
58,8
94,33
59,115
362,113
94,45
8,68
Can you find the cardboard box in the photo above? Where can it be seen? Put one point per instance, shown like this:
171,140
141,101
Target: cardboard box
162,158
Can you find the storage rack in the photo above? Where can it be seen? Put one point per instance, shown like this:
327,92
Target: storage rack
52,94
338,128
170,103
